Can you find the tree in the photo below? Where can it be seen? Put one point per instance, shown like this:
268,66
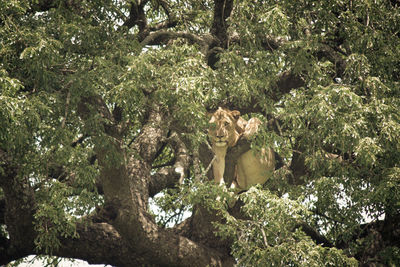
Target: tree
104,105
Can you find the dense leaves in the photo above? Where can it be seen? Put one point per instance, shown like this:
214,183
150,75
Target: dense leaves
80,82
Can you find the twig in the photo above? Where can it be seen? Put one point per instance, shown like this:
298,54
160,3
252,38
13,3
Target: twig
264,237
164,34
278,126
209,166
66,109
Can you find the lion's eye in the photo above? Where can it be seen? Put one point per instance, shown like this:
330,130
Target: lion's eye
226,123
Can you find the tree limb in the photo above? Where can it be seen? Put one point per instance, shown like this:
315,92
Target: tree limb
96,242
18,216
168,177
317,237
137,16
288,81
163,36
126,189
219,28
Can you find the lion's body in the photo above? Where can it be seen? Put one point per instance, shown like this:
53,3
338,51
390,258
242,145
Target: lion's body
251,167
254,168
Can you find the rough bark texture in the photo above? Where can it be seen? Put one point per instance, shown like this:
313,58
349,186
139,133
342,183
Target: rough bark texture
19,207
126,189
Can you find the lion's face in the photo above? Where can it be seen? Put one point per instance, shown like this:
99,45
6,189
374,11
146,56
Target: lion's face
223,130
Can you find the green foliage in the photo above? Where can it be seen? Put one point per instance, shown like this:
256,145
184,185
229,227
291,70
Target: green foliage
19,117
391,256
173,205
170,207
270,236
344,121
60,204
52,218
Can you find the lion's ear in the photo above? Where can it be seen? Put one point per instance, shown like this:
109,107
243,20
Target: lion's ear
235,114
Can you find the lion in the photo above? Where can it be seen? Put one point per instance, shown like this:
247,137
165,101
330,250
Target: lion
226,128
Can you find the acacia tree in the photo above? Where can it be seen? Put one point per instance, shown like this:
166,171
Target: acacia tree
104,105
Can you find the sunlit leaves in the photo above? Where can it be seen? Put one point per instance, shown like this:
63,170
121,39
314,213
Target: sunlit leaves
8,86
344,129
271,234
62,201
184,90
172,205
45,56
357,67
344,121
51,217
13,7
18,118
193,16
252,20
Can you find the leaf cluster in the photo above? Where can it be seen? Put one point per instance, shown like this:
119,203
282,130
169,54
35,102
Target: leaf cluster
270,235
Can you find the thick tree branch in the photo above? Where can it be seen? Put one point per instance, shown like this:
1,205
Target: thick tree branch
288,81
156,129
163,36
222,11
168,177
126,190
96,242
317,237
137,16
18,216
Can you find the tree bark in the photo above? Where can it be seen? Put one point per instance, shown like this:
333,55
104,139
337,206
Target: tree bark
126,190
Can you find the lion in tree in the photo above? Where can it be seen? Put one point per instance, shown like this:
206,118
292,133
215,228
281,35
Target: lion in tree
226,128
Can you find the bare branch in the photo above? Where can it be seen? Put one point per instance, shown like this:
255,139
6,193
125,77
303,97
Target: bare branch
163,36
164,25
288,81
164,178
66,108
99,240
169,176
222,11
137,16
317,237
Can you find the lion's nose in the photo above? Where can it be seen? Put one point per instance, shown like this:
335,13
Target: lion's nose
220,136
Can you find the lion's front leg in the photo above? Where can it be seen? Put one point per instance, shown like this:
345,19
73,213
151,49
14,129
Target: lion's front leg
219,169
219,166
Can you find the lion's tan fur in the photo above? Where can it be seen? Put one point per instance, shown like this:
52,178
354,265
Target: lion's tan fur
226,127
